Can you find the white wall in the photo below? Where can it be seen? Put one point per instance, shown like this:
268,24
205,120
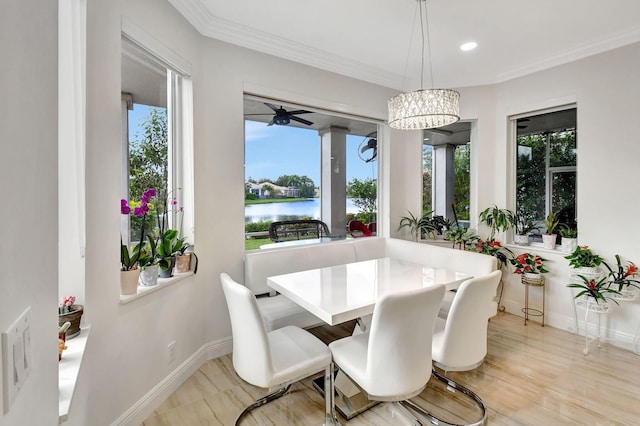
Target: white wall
605,88
28,172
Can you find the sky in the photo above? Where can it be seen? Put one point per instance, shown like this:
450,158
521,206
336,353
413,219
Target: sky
273,151
284,150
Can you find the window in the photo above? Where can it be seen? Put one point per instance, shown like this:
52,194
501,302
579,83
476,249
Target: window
546,151
155,140
446,174
305,164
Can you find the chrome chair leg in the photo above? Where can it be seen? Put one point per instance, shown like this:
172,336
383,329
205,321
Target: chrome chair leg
458,387
262,401
330,417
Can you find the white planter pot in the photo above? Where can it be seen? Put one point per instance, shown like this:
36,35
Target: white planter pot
569,245
149,276
521,240
549,241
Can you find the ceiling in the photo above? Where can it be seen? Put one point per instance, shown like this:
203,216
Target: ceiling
378,42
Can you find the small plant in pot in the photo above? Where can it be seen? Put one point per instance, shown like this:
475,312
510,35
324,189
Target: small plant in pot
569,238
148,262
166,252
623,278
522,226
584,262
549,237
183,258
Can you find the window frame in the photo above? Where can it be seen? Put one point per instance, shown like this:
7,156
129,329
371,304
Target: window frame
549,170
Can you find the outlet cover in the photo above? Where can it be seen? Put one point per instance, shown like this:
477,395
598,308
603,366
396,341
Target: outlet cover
16,357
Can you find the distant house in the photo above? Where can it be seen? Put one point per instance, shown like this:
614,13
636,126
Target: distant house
280,191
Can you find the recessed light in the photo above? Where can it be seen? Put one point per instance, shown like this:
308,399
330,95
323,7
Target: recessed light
469,46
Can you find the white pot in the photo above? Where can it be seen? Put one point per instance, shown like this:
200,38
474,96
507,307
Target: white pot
569,245
149,276
521,240
549,241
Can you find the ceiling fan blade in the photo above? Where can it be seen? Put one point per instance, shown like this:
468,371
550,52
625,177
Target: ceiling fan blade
273,107
272,122
298,111
266,113
301,120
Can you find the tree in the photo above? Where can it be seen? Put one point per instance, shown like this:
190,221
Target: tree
268,189
148,164
462,175
304,184
364,194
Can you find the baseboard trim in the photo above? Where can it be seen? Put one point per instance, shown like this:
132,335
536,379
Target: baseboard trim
159,393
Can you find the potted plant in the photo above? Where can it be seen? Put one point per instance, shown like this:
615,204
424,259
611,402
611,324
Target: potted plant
569,238
549,237
129,271
584,262
416,225
460,236
148,262
593,293
68,311
166,252
183,259
494,248
529,263
623,278
522,226
499,220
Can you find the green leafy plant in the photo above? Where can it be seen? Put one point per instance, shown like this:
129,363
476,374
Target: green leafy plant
416,225
523,224
566,231
149,253
167,248
460,236
599,290
129,260
496,249
583,257
624,274
551,223
499,220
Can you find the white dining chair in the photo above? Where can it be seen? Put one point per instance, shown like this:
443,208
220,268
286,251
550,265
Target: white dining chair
275,359
392,360
460,341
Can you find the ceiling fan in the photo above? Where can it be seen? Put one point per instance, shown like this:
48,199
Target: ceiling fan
282,117
370,142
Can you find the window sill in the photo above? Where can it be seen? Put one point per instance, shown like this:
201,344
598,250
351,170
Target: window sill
537,247
162,283
68,369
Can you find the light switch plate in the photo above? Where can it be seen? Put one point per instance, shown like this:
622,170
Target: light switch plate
16,357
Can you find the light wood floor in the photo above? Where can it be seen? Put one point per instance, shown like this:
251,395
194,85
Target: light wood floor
532,375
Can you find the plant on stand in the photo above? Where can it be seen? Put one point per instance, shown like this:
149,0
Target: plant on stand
529,263
594,291
584,262
549,237
623,278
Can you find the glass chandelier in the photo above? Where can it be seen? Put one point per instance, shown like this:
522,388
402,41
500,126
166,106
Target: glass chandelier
424,108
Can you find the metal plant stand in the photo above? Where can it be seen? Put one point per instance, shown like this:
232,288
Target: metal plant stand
532,280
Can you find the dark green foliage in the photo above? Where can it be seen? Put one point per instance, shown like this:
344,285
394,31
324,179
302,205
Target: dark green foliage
364,194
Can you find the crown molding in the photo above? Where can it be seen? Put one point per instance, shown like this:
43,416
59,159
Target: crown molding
581,52
212,26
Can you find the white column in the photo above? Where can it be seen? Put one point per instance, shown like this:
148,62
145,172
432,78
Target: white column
333,179
443,179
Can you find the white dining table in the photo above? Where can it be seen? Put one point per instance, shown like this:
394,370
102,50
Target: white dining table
340,293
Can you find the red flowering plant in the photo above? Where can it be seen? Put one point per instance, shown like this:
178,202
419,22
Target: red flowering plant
624,275
598,290
129,260
528,263
496,249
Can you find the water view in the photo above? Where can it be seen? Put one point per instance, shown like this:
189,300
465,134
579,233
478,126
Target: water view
288,211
